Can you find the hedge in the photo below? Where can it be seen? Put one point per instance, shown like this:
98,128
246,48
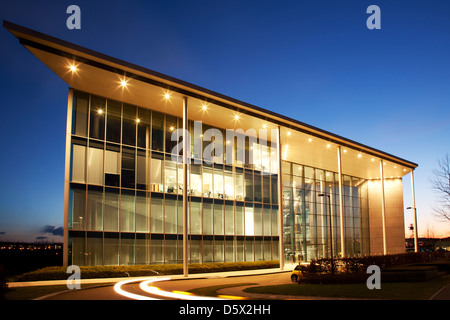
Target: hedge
360,264
411,266
89,272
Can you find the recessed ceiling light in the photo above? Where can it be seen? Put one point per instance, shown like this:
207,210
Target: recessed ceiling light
73,68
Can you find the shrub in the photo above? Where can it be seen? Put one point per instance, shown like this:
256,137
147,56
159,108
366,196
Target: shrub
89,272
415,267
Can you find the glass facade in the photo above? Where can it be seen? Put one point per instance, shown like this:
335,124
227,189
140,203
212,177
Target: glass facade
311,216
125,201
126,184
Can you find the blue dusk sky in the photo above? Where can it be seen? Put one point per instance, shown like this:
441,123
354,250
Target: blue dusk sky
314,61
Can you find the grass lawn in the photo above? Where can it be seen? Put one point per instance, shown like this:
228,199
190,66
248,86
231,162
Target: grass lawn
212,291
30,293
390,290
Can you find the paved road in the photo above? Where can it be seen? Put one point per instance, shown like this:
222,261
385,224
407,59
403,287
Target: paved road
107,292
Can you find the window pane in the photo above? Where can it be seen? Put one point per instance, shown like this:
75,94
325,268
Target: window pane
95,165
128,165
207,182
257,187
127,209
142,164
229,219
129,125
111,249
266,189
229,185
97,118
143,249
196,180
171,126
156,175
249,221
94,250
113,124
218,183
248,185
170,219
142,212
157,131
95,210
78,209
156,251
195,217
80,114
111,222
218,218
258,220
156,221
126,251
239,182
239,220
143,128
78,163
112,166
207,218
170,176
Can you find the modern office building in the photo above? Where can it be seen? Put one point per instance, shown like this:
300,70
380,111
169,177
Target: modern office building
260,186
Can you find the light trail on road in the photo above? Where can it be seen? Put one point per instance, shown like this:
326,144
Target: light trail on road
173,295
145,285
119,290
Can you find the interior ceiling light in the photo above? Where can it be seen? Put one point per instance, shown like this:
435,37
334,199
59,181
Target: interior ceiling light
73,67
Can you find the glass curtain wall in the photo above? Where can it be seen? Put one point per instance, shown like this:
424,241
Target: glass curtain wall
125,203
311,221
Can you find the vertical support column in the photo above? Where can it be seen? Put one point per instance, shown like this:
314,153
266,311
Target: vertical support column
383,206
416,247
341,202
185,188
67,179
280,203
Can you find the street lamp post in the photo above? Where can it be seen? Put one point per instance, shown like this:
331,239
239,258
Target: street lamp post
331,229
416,248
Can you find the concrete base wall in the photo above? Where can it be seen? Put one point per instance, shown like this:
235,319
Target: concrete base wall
395,223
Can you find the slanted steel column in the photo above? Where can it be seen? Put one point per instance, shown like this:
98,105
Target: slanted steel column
280,203
416,247
341,202
185,188
383,206
67,179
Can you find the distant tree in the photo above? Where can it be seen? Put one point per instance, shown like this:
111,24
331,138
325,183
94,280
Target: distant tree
441,185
